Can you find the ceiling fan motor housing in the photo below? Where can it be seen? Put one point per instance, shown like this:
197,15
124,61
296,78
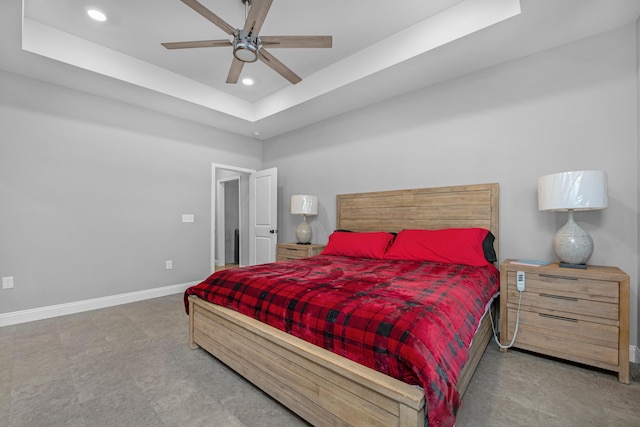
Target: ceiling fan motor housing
245,47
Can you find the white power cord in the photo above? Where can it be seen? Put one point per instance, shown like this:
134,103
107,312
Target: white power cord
515,332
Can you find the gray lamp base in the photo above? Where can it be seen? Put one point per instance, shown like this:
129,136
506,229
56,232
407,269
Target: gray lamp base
572,244
303,232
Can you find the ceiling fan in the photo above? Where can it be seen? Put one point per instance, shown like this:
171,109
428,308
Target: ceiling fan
248,46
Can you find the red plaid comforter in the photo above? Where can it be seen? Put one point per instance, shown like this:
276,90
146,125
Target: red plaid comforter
411,320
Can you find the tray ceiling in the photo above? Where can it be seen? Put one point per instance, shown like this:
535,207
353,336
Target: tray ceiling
380,49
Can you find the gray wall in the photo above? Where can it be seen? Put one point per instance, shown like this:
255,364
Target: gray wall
92,192
570,108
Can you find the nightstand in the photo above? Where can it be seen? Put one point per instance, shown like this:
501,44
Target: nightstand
572,314
289,251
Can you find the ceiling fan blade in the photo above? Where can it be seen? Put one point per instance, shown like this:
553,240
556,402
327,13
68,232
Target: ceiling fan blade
257,14
197,43
207,14
235,70
278,66
296,41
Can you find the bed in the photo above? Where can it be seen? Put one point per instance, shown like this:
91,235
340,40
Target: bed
321,386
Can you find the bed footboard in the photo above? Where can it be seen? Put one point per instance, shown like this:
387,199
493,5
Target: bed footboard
320,386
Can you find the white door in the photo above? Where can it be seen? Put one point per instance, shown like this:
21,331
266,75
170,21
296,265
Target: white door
263,216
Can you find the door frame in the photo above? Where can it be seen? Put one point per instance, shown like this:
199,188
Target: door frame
214,204
221,207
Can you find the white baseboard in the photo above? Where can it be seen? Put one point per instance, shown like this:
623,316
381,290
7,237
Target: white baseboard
40,313
634,354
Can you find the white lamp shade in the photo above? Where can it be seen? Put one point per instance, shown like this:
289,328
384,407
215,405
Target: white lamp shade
304,205
577,190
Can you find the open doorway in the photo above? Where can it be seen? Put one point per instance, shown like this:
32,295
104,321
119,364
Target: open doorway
229,211
256,215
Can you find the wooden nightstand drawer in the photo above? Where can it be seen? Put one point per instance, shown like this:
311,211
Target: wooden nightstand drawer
568,286
570,305
592,298
289,253
292,251
569,338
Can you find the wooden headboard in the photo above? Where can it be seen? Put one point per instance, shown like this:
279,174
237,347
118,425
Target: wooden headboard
423,208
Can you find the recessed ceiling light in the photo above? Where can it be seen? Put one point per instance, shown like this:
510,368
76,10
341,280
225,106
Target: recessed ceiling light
247,81
97,15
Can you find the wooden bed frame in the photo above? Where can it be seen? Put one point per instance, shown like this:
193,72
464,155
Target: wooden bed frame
320,386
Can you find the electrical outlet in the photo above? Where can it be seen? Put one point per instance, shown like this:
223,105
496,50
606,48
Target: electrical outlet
169,264
7,282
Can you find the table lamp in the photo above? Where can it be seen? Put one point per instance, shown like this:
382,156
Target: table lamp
304,205
573,191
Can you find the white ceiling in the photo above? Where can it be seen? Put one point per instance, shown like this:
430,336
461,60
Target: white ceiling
381,49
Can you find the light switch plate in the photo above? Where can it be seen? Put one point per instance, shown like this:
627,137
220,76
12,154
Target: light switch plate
7,282
187,218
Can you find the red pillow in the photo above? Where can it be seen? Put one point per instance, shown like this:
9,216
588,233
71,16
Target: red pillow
362,245
451,245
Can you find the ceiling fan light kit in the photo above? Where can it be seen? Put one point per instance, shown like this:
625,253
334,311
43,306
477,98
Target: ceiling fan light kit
247,45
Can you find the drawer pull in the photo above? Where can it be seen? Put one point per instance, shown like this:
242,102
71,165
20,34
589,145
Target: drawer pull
558,297
555,276
551,316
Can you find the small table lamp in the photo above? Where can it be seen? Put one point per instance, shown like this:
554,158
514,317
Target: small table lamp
304,205
570,191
